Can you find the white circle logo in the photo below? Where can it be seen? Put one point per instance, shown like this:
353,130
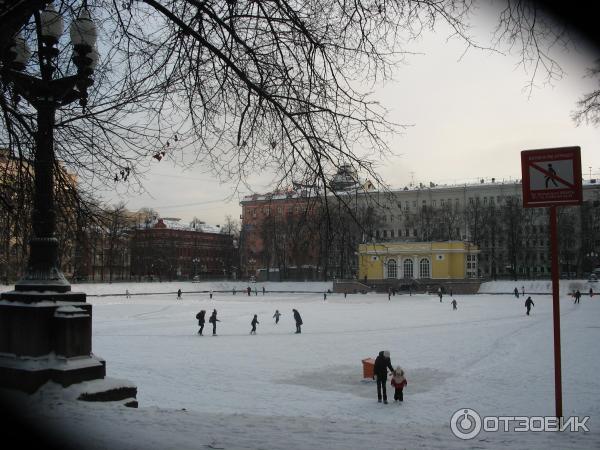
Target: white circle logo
465,423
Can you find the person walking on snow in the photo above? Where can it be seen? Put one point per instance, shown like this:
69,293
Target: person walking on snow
577,296
399,382
453,304
382,364
276,316
516,291
253,323
298,320
200,316
213,319
528,304
178,294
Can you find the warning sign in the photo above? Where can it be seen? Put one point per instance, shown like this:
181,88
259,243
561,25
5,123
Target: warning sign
551,177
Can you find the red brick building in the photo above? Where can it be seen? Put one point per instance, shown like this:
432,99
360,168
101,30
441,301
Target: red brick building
279,237
168,250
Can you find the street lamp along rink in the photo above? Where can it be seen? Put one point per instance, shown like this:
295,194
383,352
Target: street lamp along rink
42,320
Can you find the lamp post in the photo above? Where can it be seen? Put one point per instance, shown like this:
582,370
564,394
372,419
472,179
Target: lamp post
46,94
42,319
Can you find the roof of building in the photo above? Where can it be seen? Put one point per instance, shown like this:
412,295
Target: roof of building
173,223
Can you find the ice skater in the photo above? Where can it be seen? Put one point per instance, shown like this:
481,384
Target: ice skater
200,316
382,364
127,294
523,290
264,290
528,304
440,294
210,294
453,304
577,296
249,290
213,319
516,292
399,382
178,294
324,296
276,316
298,320
254,323
591,292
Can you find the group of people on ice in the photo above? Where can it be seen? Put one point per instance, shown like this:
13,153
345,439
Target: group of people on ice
201,316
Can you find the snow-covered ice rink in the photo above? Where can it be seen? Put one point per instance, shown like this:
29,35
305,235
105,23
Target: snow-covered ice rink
280,390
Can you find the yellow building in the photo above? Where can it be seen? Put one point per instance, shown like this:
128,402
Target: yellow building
452,260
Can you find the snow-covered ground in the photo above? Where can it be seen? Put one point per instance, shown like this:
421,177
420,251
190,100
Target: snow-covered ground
280,390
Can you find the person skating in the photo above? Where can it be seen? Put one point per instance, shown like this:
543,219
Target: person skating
382,364
298,320
528,304
253,323
200,316
210,294
264,290
453,304
213,319
324,296
276,316
523,290
516,292
127,295
249,290
577,296
591,292
399,381
178,294
440,294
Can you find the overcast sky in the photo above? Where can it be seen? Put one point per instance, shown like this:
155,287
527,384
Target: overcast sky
470,116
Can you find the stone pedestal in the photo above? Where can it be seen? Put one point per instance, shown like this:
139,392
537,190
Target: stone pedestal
46,336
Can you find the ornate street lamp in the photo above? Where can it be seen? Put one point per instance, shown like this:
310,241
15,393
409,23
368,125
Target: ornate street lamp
42,320
46,95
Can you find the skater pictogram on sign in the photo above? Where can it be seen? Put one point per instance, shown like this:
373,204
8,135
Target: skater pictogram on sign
551,177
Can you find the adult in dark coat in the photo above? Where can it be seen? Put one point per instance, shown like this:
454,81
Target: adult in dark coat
577,296
178,294
200,316
382,364
298,320
213,319
528,304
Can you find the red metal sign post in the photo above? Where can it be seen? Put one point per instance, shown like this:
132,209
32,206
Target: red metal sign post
552,178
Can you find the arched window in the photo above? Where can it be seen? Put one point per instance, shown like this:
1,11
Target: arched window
392,269
408,268
424,268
